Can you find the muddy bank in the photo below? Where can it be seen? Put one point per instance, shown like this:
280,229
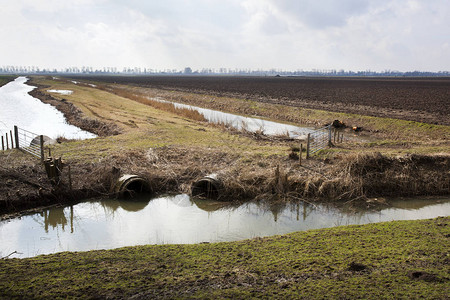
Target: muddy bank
355,179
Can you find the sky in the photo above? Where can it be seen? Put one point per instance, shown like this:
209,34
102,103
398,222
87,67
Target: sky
377,35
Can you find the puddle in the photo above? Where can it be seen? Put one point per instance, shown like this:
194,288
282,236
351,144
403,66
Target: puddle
62,92
29,113
112,223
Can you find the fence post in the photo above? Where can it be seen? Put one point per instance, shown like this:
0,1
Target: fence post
300,154
329,136
7,143
3,144
307,146
16,136
11,136
41,142
70,179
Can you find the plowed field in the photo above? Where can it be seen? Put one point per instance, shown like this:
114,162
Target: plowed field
417,99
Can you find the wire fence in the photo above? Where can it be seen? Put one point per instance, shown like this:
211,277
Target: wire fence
318,140
24,140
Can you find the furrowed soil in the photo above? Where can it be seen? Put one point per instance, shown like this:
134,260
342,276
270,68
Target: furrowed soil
395,260
416,99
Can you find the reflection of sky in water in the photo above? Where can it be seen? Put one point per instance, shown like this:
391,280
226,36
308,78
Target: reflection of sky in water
247,123
114,223
21,109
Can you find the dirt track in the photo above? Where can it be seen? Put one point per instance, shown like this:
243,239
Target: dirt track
416,99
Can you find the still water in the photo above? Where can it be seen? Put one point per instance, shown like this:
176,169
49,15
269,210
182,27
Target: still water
21,109
246,123
113,223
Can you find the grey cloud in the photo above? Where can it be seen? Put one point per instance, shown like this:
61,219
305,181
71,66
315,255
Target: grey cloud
322,14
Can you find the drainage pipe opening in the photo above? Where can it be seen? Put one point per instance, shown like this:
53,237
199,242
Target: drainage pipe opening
129,186
209,187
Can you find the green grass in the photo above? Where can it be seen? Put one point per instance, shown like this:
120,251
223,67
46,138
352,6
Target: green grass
309,265
4,79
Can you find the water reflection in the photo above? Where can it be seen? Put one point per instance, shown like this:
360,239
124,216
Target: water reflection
112,223
246,123
130,205
37,117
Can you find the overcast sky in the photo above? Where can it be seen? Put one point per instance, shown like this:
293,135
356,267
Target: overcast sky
402,35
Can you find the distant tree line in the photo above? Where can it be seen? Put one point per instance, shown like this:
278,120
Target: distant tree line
211,71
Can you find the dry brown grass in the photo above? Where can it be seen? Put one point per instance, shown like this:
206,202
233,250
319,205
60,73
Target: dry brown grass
169,107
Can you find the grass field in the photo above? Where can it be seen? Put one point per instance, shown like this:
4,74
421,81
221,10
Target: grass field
369,261
4,79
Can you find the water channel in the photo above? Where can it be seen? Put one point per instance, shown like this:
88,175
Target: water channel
112,223
246,123
21,109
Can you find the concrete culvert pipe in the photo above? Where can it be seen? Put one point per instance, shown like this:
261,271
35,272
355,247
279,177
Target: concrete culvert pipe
129,185
209,187
37,141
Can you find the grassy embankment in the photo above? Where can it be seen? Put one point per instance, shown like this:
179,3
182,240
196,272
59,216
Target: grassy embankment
394,260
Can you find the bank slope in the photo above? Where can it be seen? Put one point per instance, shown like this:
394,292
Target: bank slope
402,259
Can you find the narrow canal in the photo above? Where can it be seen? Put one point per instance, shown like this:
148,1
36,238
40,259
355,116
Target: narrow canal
112,223
20,109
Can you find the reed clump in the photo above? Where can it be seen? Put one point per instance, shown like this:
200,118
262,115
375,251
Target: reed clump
362,176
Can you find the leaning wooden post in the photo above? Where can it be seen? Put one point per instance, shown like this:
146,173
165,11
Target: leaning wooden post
41,143
16,136
7,143
307,145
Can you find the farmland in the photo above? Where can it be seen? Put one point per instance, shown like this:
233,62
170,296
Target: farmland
414,99
392,156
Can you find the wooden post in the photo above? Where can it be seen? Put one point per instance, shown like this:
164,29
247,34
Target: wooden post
49,152
7,143
329,136
307,145
3,144
11,136
16,136
41,143
70,179
300,154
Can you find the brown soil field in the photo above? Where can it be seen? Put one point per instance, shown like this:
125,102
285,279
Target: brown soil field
416,99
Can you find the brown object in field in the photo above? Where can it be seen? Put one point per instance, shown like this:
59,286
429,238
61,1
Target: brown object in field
338,124
356,128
